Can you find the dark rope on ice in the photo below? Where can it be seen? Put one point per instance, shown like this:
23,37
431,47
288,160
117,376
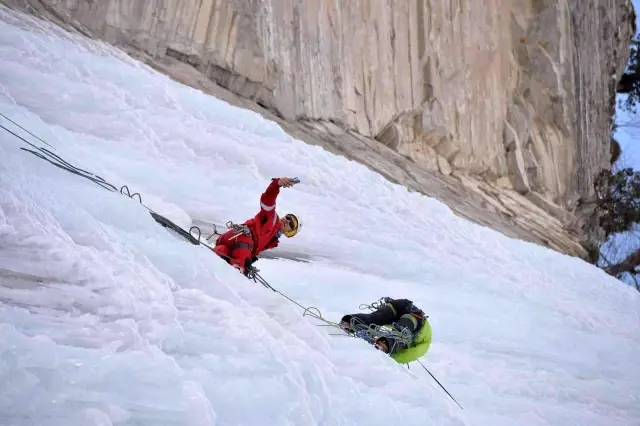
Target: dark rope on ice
41,140
130,195
103,184
443,388
56,160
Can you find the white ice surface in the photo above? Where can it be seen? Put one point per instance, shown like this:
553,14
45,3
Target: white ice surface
106,318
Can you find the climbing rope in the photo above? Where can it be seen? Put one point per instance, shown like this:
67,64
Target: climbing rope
41,140
363,331
310,311
372,332
439,384
56,160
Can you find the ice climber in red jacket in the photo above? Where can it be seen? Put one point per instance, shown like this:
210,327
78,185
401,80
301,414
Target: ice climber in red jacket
241,244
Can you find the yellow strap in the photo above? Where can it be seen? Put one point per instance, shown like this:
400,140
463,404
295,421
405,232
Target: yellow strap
392,308
412,318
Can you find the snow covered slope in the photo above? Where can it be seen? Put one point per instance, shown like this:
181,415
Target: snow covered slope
106,318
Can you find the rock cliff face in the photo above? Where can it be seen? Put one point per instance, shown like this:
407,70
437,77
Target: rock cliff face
518,94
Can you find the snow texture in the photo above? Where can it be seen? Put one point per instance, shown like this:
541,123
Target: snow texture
107,318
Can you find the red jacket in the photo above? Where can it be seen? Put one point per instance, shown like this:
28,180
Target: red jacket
266,224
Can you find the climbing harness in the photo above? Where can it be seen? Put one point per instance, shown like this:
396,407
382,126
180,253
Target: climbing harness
238,229
369,333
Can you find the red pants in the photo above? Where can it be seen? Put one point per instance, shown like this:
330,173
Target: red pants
236,249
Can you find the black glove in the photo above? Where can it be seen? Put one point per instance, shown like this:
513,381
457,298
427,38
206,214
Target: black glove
249,262
250,272
345,323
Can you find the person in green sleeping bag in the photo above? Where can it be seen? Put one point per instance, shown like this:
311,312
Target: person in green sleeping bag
410,335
